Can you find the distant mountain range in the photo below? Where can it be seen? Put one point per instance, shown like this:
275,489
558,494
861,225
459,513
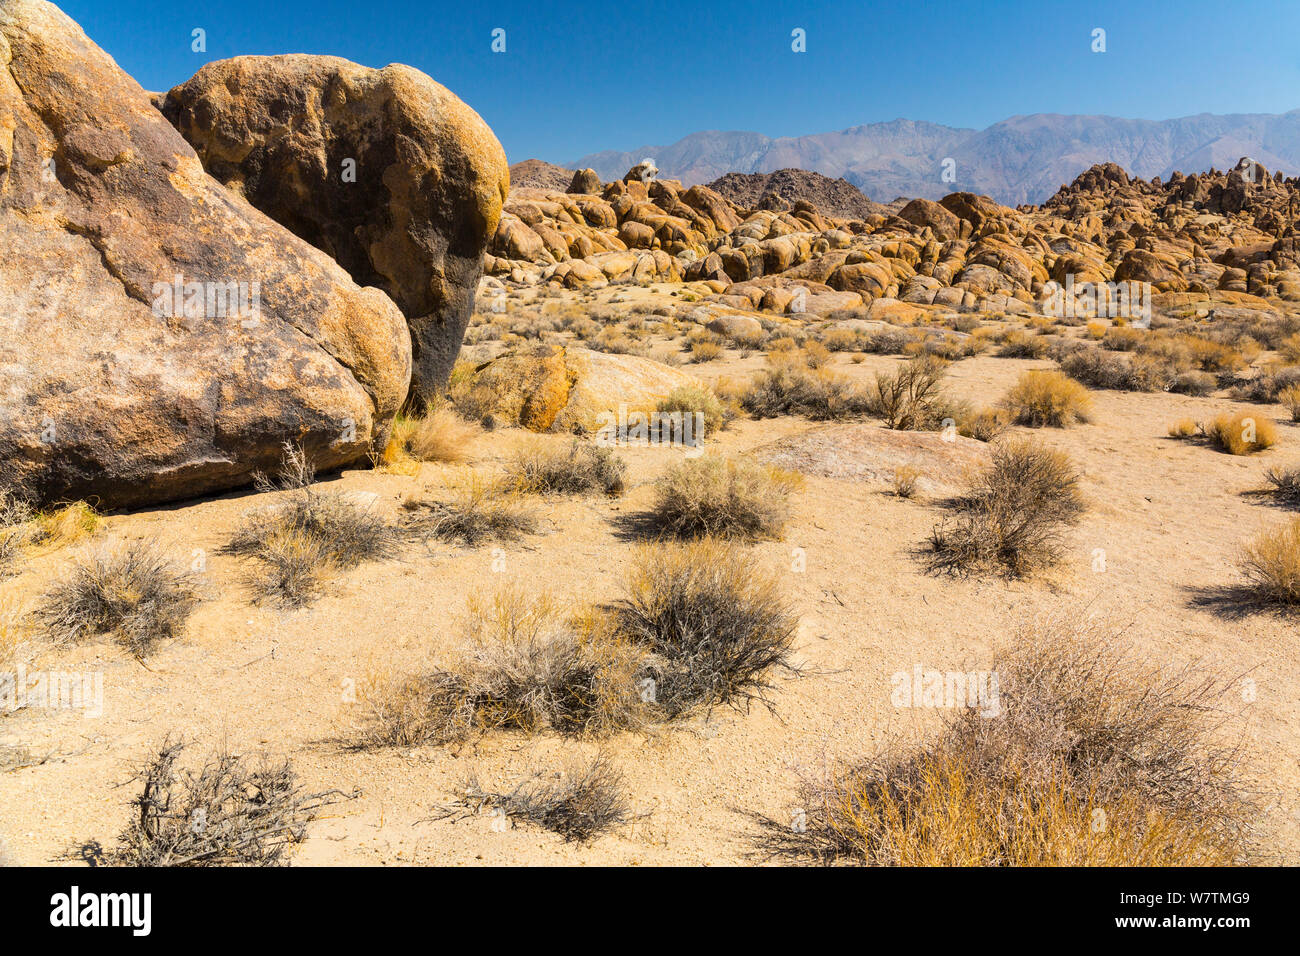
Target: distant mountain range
1023,159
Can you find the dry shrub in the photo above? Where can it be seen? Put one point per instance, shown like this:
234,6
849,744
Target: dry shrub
702,350
1286,483
522,667
693,399
441,435
1048,398
984,424
1016,343
16,528
584,801
911,398
1013,516
905,479
479,513
575,470
715,496
1097,368
1183,428
1271,563
787,389
1095,759
132,593
1193,382
231,811
1240,434
1290,400
714,624
298,541
815,355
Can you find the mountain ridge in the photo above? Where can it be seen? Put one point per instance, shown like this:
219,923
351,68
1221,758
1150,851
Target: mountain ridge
1022,159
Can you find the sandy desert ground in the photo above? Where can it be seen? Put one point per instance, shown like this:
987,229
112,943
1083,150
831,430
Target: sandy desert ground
1169,515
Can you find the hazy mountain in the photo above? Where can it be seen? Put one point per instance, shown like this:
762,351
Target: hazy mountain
1021,159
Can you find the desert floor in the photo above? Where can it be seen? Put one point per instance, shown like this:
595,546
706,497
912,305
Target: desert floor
1169,515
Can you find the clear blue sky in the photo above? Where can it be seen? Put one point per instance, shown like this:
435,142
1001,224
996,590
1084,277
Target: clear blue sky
580,77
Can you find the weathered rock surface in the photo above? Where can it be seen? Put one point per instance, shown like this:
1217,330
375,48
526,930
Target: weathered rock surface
385,170
108,390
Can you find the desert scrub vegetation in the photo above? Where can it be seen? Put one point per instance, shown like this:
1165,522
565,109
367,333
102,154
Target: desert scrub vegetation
1095,759
1285,484
478,513
1270,563
576,469
587,799
715,626
228,811
132,593
16,516
717,496
912,397
522,665
688,400
1238,434
297,542
439,435
1048,398
1012,518
790,389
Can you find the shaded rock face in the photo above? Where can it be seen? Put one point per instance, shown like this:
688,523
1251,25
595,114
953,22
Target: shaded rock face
114,388
385,170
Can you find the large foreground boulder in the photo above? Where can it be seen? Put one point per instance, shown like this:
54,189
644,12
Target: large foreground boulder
162,337
385,170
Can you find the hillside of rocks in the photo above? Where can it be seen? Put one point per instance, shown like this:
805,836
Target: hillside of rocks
1231,231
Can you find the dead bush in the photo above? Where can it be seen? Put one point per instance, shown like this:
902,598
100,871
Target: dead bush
582,802
715,626
479,513
911,398
1013,516
231,811
132,593
787,389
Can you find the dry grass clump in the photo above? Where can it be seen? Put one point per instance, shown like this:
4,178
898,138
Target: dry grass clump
1094,760
577,469
1097,368
298,541
714,625
67,524
696,399
522,667
1048,398
132,593
1289,398
1183,428
231,811
582,802
984,424
715,496
1271,564
479,513
790,389
1013,516
16,516
1240,434
440,435
905,479
912,398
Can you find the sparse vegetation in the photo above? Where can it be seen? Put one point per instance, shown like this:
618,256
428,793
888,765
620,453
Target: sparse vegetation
1048,398
788,389
715,496
575,470
298,541
523,667
1271,564
715,626
1094,760
231,811
1239,434
1013,516
479,513
911,398
132,593
582,802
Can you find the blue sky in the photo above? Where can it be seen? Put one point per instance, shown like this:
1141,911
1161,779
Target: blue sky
581,77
